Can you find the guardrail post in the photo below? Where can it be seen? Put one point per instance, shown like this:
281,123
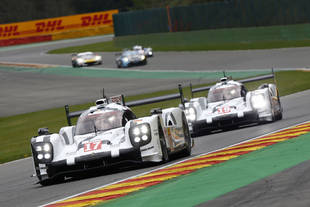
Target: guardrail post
181,95
67,115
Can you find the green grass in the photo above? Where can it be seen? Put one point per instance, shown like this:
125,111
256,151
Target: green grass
217,39
16,131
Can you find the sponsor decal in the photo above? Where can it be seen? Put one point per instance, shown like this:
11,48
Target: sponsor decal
62,27
9,31
92,146
223,110
49,26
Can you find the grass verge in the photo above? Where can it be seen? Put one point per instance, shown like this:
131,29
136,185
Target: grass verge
216,39
16,131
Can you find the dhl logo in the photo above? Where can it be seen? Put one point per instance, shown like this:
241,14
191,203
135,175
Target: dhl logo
49,26
8,31
53,26
96,19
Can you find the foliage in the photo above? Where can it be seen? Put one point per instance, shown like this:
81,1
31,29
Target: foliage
213,39
16,10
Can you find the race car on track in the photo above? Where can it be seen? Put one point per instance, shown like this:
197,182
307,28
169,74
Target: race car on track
230,104
108,134
147,51
130,58
85,59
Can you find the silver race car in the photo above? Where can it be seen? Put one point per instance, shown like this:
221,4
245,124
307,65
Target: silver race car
230,104
147,51
130,58
107,134
85,59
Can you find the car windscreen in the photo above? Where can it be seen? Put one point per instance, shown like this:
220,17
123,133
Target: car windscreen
129,53
86,56
224,93
96,122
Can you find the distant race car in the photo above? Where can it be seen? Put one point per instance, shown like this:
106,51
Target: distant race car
130,58
230,104
147,51
108,134
85,59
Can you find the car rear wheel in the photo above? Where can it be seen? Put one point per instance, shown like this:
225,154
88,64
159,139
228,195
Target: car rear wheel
188,141
164,150
279,116
119,64
74,65
144,62
163,144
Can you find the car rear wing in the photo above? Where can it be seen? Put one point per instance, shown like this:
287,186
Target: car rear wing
120,99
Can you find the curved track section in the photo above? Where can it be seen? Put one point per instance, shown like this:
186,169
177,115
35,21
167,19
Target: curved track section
190,61
18,189
28,92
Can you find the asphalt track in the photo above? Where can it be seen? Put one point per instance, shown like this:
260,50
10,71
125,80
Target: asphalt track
17,188
28,92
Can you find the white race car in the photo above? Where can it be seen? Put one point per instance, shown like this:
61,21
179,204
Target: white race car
85,59
147,51
109,134
230,104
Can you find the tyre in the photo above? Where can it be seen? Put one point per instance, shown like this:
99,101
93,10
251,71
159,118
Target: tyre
144,62
163,145
119,64
52,181
280,115
164,150
188,141
52,178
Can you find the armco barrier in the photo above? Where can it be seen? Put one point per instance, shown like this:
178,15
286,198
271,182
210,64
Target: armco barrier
57,28
165,97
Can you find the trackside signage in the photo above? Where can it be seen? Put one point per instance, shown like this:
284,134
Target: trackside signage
55,26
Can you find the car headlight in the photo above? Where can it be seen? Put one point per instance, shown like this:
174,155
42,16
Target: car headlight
142,57
43,151
79,60
140,135
125,59
97,58
190,114
258,101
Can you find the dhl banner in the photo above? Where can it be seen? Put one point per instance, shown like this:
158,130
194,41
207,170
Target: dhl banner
57,28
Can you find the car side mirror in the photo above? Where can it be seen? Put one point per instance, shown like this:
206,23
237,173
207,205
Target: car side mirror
181,106
156,111
43,131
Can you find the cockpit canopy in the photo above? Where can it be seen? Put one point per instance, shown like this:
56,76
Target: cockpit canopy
99,121
224,93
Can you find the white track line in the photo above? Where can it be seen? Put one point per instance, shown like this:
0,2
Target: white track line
190,158
163,71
